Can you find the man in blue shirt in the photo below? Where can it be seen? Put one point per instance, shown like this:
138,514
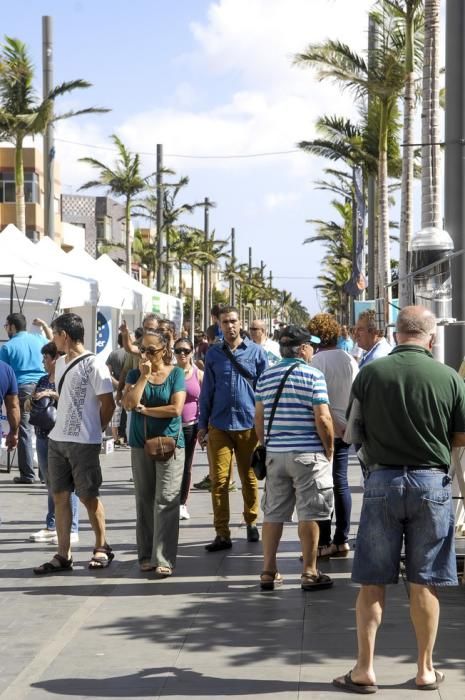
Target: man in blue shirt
22,353
227,414
9,396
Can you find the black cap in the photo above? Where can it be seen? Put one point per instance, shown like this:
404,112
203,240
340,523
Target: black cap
292,336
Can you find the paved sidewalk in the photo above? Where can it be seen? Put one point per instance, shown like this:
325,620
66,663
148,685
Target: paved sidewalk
207,632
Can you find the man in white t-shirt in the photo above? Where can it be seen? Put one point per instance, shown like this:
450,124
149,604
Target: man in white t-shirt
271,347
84,410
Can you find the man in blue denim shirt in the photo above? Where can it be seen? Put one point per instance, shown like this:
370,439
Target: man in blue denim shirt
227,414
413,412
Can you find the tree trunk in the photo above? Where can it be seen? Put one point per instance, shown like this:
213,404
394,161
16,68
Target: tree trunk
180,279
203,322
384,252
127,217
430,152
406,204
19,186
192,313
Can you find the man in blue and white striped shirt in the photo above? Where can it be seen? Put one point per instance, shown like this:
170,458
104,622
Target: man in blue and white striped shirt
299,451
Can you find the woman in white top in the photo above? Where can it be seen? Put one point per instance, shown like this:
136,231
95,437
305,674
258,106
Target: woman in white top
340,370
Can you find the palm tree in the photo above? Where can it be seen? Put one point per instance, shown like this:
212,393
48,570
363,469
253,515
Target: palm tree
22,115
123,180
430,152
384,81
144,252
410,15
172,212
337,264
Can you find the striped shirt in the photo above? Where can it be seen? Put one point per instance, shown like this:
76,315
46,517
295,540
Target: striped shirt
293,426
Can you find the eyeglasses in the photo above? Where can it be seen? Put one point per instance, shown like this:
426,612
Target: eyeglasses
150,350
255,328
179,351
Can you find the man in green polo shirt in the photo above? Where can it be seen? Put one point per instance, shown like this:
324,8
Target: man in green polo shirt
413,412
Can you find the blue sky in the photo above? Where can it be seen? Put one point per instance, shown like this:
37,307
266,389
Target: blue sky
206,77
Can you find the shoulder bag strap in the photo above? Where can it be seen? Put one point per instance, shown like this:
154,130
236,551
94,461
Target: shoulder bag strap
242,370
70,366
276,399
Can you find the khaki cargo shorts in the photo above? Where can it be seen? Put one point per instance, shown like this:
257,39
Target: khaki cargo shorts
302,480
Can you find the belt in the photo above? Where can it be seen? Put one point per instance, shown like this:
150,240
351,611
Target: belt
439,467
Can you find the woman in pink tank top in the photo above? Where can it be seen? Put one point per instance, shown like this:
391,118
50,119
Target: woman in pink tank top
183,350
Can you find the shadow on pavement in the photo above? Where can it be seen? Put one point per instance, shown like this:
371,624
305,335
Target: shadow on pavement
170,681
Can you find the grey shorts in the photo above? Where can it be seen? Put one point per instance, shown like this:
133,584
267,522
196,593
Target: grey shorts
73,466
297,479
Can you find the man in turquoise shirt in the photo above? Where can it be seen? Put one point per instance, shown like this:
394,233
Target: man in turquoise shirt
22,353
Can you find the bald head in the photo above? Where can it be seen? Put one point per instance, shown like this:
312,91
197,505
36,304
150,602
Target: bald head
258,331
416,324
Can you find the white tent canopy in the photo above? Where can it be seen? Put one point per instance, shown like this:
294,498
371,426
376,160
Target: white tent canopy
136,296
44,264
21,281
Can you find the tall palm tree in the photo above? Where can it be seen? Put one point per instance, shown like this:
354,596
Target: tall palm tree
430,152
384,81
22,115
337,239
172,212
123,180
410,17
144,252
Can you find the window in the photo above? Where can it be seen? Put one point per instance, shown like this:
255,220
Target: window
104,228
9,192
8,187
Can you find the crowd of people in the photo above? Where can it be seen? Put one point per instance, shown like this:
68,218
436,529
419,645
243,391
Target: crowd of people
230,392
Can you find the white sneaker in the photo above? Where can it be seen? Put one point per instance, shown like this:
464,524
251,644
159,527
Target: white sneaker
183,513
43,536
73,539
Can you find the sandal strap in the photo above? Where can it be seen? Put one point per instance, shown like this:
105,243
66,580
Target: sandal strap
103,550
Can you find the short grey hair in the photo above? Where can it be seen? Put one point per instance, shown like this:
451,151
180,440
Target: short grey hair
289,350
416,321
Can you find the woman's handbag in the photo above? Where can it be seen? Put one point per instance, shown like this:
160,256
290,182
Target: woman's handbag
161,447
43,413
258,459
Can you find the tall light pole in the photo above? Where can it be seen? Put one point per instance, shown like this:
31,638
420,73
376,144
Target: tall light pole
454,172
232,283
49,146
160,237
206,268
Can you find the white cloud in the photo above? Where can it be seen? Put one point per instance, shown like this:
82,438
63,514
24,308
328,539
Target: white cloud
244,97
272,200
258,38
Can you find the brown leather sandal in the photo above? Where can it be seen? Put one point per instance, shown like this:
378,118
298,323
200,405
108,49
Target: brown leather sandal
273,579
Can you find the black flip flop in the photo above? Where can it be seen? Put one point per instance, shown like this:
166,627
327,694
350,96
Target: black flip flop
435,684
346,683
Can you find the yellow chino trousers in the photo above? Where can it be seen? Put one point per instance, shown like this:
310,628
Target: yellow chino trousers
222,444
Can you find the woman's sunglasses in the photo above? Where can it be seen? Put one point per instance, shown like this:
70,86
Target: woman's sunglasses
179,351
150,350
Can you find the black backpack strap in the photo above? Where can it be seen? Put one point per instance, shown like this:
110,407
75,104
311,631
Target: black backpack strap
70,366
276,399
242,370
